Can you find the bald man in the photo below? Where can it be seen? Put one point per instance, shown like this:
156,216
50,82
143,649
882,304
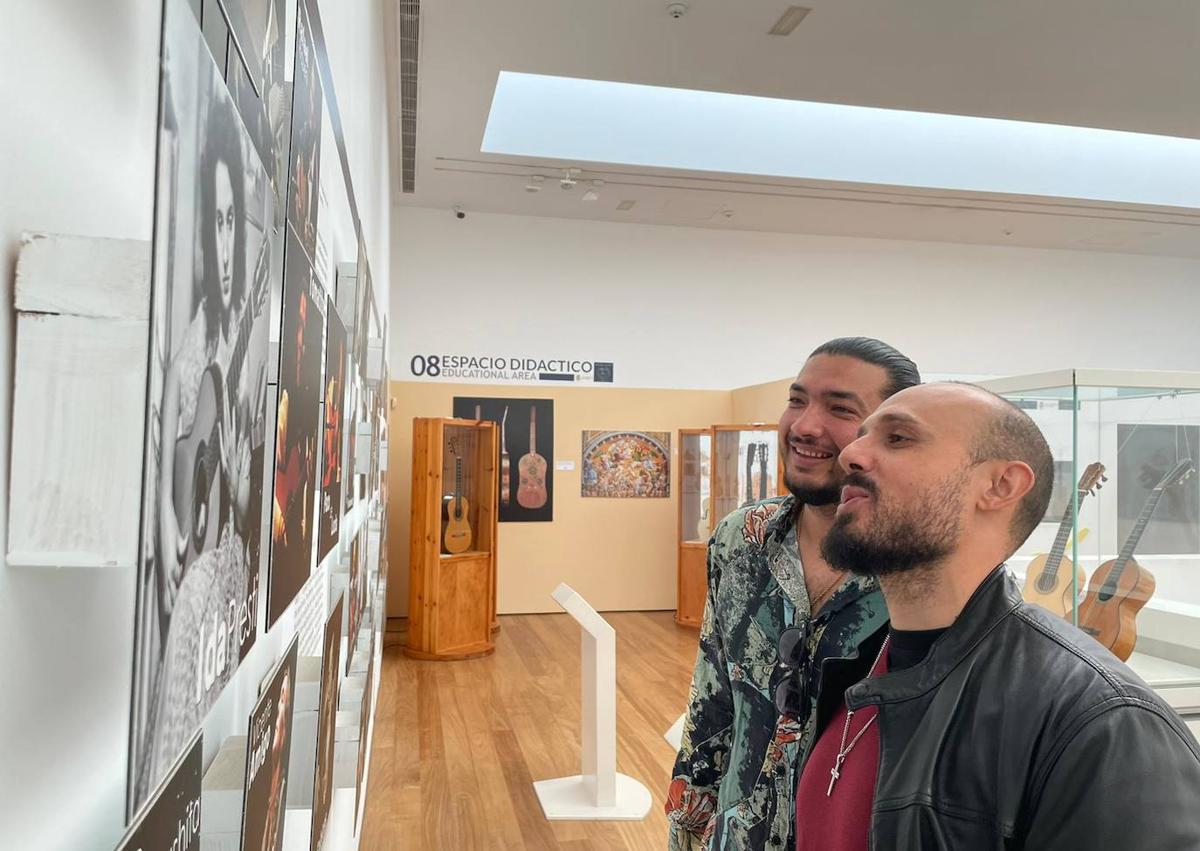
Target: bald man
975,721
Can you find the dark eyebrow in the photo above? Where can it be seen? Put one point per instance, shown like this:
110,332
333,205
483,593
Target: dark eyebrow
887,417
842,395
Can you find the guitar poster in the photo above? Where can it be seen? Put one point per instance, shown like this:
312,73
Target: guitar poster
298,430
526,444
332,475
171,821
268,754
327,722
1146,454
206,432
307,112
626,464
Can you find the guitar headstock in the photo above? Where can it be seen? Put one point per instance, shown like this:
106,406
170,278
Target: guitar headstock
1093,478
453,444
1178,475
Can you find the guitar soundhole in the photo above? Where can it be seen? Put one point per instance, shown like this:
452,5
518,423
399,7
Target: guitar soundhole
200,500
1045,583
1106,594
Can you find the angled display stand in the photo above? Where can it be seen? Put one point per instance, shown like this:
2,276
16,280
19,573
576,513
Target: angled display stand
598,793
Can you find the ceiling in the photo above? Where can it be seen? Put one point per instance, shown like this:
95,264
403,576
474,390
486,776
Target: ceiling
1098,63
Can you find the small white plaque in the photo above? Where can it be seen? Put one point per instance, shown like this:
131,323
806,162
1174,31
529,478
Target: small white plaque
564,466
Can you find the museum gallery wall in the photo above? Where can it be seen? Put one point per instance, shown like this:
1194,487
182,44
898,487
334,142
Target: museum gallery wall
248,402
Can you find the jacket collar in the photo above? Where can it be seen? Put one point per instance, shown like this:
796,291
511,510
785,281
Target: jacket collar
995,598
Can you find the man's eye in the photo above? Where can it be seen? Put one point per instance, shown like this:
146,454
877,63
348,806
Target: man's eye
796,403
898,438
840,409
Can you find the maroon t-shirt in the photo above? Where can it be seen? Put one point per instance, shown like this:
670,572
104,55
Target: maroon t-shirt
841,820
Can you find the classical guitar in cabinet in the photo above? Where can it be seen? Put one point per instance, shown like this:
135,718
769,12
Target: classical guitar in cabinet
1048,580
1121,587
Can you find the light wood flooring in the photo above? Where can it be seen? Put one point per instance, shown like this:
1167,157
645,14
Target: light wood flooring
457,745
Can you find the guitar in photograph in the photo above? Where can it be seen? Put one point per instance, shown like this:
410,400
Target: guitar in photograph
1048,578
1121,587
197,480
456,525
531,491
505,464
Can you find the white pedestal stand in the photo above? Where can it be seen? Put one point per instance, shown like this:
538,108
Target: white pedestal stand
674,736
599,792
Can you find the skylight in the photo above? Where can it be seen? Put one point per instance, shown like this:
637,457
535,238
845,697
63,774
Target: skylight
604,122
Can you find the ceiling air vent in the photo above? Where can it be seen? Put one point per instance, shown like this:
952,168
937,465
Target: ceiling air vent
789,20
626,205
410,34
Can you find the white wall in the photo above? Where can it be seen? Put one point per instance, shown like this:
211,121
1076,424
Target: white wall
711,309
78,95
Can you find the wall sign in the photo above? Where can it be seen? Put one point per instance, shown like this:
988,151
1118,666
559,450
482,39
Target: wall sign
501,368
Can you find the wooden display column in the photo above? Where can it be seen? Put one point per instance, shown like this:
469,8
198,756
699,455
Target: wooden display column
452,597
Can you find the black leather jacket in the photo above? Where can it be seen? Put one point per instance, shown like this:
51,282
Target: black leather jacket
1018,731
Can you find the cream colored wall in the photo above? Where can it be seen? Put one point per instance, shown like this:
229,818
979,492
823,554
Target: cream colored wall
761,402
620,554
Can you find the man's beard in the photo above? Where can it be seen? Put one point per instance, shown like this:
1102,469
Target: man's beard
824,494
897,539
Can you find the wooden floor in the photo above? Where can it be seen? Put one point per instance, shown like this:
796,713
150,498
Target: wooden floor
457,745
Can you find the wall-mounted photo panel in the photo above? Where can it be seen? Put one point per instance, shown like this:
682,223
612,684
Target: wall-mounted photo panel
327,722
307,112
336,358
268,751
262,100
355,595
298,429
364,725
526,453
197,585
171,819
626,464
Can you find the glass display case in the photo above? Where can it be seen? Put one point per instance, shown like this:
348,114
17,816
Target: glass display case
452,545
721,468
1118,551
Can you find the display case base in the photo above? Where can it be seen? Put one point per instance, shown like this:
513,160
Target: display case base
485,650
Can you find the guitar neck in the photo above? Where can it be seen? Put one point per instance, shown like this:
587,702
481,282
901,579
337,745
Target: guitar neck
1135,536
533,431
1054,559
749,472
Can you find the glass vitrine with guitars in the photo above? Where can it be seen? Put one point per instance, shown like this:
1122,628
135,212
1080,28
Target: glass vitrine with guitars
721,468
453,535
1118,552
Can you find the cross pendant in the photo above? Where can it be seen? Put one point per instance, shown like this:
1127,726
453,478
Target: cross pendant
833,778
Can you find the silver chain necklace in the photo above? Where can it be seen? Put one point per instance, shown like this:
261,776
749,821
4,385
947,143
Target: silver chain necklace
843,750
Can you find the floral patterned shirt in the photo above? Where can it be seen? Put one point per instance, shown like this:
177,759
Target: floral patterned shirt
734,782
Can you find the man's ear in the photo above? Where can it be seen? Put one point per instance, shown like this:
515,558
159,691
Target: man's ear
1008,483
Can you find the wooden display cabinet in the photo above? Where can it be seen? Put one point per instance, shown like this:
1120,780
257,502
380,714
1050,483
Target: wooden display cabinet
721,468
452,585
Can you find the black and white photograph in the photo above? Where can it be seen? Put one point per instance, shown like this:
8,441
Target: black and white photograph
297,431
364,725
307,118
262,100
327,722
356,594
170,820
268,754
206,414
526,479
334,414
1145,454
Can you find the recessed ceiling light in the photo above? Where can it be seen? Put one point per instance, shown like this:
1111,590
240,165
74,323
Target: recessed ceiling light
534,184
789,20
626,205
